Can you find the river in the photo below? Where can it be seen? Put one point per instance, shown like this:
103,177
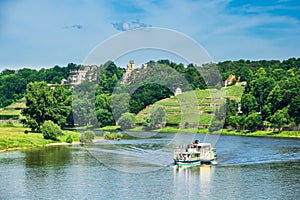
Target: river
248,168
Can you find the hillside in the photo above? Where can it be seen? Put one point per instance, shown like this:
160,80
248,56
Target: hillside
207,102
13,111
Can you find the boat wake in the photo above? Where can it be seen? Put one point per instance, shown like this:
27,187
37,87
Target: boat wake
131,158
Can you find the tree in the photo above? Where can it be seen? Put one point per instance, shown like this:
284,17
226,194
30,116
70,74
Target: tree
83,104
105,117
157,117
50,130
244,73
249,104
294,109
253,122
103,101
44,103
278,119
146,95
103,110
119,104
274,99
233,121
231,109
126,121
260,89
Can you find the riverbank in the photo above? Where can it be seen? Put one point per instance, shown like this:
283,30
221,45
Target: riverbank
14,138
167,129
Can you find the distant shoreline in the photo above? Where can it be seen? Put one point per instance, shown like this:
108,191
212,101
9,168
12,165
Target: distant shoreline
18,135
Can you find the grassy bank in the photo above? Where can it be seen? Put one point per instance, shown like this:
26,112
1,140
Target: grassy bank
14,138
291,134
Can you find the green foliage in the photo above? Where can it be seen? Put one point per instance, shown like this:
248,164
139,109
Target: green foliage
110,76
146,95
249,104
13,83
294,109
87,137
253,122
126,121
71,138
233,121
50,130
112,136
157,117
119,104
83,104
215,125
44,103
279,119
105,117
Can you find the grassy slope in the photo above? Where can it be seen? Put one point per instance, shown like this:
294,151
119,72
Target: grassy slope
194,102
14,109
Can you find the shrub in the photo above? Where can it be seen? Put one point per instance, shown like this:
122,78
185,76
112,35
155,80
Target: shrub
112,136
69,139
26,131
107,136
50,130
126,121
87,137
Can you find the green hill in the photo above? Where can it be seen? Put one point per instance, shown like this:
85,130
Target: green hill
197,104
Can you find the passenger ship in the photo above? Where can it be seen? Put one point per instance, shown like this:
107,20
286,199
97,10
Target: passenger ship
195,154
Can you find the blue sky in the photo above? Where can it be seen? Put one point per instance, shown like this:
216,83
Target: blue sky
40,34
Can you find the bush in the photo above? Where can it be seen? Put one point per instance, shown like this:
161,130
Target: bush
126,121
87,137
50,130
112,136
69,139
26,131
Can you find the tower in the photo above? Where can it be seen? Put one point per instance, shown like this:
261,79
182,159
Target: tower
130,66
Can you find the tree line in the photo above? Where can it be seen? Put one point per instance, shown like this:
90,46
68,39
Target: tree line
13,82
271,96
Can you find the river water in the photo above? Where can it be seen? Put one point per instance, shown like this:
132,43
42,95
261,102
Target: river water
248,168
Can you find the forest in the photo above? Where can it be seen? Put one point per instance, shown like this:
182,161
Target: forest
271,96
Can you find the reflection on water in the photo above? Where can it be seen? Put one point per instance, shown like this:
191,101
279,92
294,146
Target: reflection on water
191,181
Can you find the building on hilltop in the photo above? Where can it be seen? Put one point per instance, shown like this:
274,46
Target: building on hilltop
130,66
229,80
178,91
88,72
126,75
